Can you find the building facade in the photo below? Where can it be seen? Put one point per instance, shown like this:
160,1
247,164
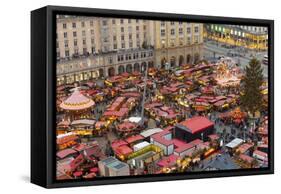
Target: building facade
92,47
252,37
178,43
103,65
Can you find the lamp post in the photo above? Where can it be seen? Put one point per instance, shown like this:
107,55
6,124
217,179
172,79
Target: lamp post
144,96
244,133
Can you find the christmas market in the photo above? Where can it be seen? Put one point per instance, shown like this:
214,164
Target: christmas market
163,116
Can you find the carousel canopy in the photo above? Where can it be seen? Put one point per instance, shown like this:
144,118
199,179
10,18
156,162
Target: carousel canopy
76,101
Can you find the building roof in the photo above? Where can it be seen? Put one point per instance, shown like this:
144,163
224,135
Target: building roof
213,136
124,150
246,158
83,122
77,101
64,138
126,126
134,138
135,119
222,162
118,143
150,132
178,143
244,147
196,124
234,143
64,123
121,113
114,163
100,124
187,146
158,137
131,94
259,153
168,161
141,145
81,147
94,151
66,152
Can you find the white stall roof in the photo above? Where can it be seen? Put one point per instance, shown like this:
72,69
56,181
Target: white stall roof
234,143
65,135
135,119
149,132
83,122
141,145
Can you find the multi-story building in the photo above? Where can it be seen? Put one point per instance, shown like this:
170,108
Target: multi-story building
91,47
103,65
89,35
252,37
178,43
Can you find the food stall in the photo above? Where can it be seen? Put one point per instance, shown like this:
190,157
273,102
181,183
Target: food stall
83,127
66,140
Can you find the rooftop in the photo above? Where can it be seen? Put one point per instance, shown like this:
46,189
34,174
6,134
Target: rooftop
196,124
77,101
234,143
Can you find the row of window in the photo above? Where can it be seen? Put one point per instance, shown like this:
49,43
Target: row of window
122,29
75,42
163,23
172,31
233,31
130,37
74,24
74,34
181,42
76,52
127,57
104,23
123,45
122,21
106,48
254,28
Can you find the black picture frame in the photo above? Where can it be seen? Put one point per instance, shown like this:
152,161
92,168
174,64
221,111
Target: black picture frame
43,84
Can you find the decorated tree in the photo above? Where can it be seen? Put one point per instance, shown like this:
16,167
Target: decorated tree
251,98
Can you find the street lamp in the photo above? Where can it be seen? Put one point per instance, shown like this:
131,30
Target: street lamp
144,96
244,133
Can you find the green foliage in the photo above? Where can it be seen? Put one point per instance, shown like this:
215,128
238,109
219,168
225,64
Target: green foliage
251,99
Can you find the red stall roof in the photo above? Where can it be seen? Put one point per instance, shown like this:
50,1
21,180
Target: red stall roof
124,150
246,158
188,146
134,138
168,161
213,136
196,124
244,147
160,139
66,152
118,143
126,126
260,153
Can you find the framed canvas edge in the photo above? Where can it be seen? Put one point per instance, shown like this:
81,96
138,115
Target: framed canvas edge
50,86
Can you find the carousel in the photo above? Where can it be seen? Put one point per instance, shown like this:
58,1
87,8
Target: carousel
77,106
227,75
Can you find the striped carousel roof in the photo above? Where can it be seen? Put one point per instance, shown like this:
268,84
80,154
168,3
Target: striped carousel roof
77,101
